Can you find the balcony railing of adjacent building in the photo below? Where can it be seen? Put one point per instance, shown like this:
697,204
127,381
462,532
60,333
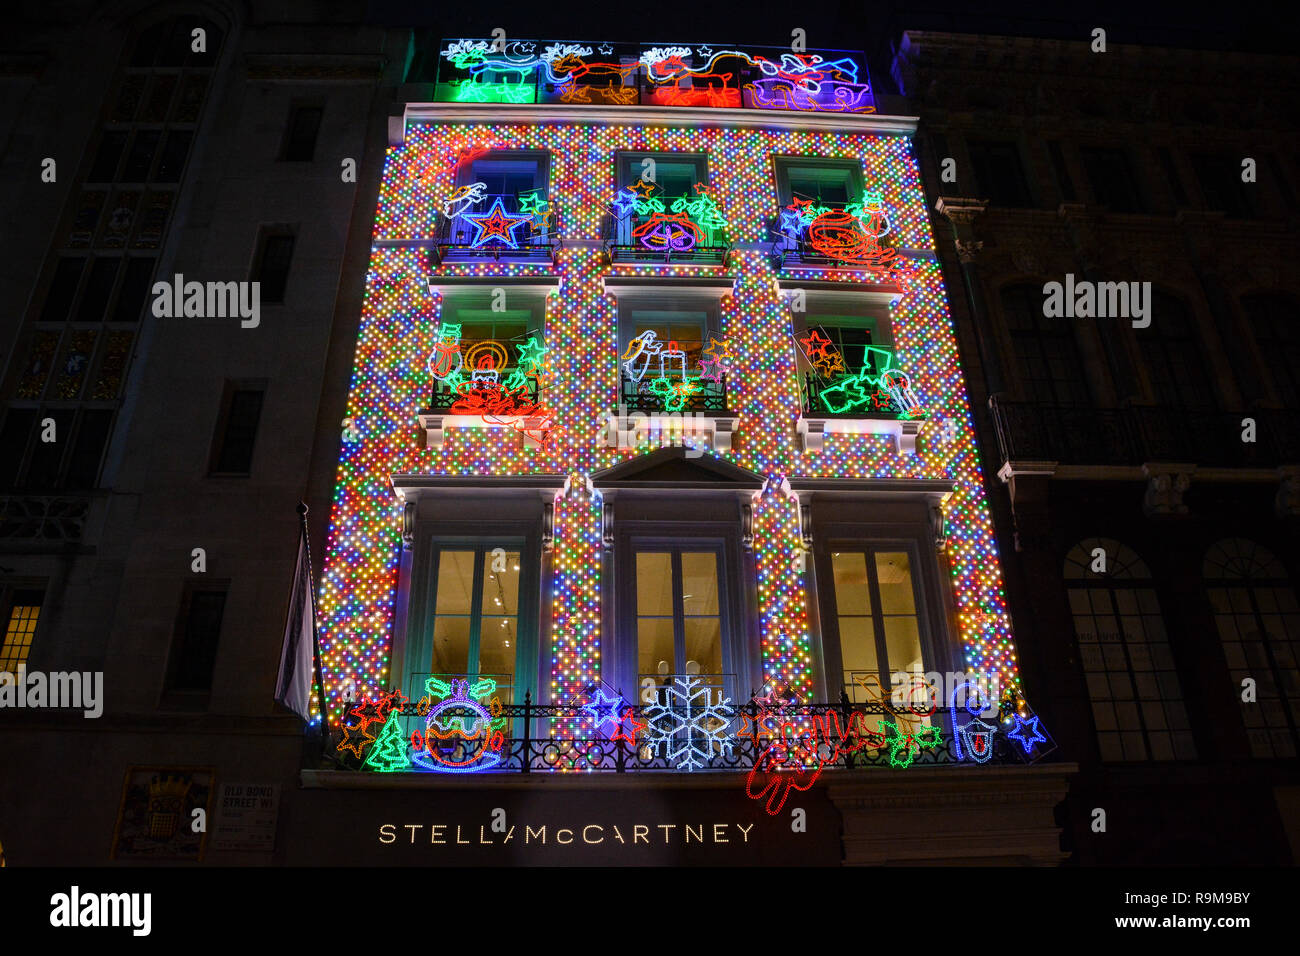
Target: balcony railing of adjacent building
1133,435
693,732
623,74
454,238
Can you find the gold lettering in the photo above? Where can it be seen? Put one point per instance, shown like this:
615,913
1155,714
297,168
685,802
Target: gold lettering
557,836
639,831
716,837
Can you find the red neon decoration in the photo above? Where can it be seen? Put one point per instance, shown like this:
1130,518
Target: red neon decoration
637,727
664,230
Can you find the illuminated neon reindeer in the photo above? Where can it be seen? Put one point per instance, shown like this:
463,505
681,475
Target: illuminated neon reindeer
646,345
796,84
664,64
567,66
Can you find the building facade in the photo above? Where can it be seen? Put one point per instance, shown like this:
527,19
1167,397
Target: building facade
1146,462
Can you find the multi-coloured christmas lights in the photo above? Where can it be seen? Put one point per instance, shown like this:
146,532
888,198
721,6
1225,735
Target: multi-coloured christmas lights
402,346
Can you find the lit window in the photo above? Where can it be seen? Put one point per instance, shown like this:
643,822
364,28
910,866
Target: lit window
24,611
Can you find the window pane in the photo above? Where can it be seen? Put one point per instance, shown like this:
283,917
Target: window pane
501,582
450,645
304,124
236,454
105,165
699,583
140,158
858,644
43,472
455,582
83,467
198,650
654,641
852,595
654,584
894,575
59,299
496,648
13,443
24,612
94,300
273,273
135,287
174,152
903,644
704,644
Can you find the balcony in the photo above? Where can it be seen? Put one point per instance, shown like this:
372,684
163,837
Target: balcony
454,240
1136,434
700,413
484,405
690,727
852,406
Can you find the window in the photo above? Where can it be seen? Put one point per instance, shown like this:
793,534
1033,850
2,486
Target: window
1258,621
1111,176
473,626
1063,181
194,650
237,431
300,136
69,463
520,181
664,337
675,176
1173,356
273,266
1047,358
678,616
1171,175
999,172
1137,700
827,182
849,330
1273,320
871,616
1220,178
22,611
491,338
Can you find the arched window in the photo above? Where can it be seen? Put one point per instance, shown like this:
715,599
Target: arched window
1258,621
1137,701
1273,319
1172,353
1047,358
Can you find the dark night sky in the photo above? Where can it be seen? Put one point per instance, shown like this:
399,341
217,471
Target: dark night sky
856,25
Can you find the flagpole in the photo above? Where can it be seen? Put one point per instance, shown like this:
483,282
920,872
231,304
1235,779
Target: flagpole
315,637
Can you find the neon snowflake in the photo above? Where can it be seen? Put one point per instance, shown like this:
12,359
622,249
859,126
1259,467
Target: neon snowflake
689,728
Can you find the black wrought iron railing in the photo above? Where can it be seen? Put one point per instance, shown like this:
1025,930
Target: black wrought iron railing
1081,435
682,735
443,397
534,239
707,396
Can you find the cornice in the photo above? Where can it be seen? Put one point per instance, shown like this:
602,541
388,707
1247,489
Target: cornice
641,116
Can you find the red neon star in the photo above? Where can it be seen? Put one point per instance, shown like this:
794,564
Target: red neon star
637,725
815,344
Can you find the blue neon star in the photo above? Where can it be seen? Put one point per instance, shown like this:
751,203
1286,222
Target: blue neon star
605,49
1035,735
496,223
613,707
624,202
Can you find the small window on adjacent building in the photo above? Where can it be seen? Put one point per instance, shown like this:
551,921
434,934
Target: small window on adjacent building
1000,172
273,266
1063,181
1273,319
300,136
22,610
1110,174
237,431
1173,355
1171,175
198,631
1219,175
1137,701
